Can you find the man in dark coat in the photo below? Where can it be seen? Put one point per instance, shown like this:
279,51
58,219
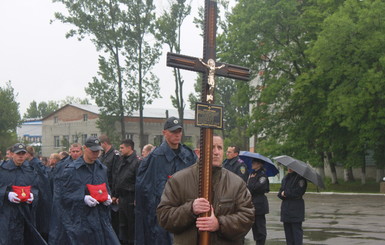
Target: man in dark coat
17,216
258,185
110,158
125,190
293,206
43,210
170,157
85,219
57,234
234,163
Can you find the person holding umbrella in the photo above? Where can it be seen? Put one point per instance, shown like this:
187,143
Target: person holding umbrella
293,206
258,185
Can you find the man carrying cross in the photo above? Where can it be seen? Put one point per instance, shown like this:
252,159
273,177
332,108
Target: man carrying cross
208,117
232,212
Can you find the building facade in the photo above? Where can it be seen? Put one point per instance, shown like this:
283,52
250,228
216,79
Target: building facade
73,123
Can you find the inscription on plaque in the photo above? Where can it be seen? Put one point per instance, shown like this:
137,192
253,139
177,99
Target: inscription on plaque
209,116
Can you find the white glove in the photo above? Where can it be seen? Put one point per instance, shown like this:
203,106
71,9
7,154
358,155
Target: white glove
108,201
12,197
90,201
30,200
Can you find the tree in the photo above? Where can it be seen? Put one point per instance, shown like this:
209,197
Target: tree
142,54
41,110
118,29
9,116
354,69
169,33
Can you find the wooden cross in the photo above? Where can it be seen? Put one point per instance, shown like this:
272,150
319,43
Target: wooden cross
209,68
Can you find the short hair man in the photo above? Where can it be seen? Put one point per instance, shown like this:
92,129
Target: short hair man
232,212
85,219
235,164
124,191
56,230
170,157
110,158
147,149
16,209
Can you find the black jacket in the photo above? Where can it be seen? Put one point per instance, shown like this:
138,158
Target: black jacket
126,174
237,166
258,185
293,205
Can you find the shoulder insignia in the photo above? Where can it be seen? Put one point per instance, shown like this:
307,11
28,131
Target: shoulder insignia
301,183
242,169
262,179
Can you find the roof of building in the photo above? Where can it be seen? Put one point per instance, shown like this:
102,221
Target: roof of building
147,112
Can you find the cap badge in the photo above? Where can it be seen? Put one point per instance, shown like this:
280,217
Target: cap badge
100,191
175,121
96,141
20,146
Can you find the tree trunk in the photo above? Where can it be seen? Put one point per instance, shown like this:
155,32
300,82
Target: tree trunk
348,174
379,175
329,158
363,175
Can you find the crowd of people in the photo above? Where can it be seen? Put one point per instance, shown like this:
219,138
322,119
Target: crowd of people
96,194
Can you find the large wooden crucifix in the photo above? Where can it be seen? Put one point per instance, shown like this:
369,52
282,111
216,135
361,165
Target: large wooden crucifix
210,69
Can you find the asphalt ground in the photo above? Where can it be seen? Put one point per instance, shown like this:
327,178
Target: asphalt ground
332,218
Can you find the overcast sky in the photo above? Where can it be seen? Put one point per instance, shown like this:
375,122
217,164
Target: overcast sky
43,65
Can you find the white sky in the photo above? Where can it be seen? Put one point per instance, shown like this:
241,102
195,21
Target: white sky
43,65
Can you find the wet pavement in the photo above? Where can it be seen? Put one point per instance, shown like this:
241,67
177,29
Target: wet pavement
332,219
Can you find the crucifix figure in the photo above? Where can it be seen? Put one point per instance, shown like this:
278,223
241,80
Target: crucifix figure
211,80
210,68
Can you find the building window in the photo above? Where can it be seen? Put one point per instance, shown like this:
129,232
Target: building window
56,140
158,139
55,119
129,136
75,138
84,138
66,141
85,117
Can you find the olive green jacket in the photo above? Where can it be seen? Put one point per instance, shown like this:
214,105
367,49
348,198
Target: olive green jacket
231,202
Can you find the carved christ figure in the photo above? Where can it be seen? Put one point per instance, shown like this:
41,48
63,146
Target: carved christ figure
211,80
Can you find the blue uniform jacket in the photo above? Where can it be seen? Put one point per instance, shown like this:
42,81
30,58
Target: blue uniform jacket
152,176
84,224
15,219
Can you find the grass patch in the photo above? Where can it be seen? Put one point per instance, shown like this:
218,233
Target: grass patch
356,187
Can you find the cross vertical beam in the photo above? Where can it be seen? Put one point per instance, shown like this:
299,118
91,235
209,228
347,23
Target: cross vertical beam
208,82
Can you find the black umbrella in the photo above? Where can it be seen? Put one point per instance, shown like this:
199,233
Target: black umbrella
301,168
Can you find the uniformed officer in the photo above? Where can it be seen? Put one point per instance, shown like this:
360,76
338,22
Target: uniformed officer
234,164
153,173
258,185
293,206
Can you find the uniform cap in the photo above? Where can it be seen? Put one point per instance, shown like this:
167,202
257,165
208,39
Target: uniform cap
18,147
93,143
172,124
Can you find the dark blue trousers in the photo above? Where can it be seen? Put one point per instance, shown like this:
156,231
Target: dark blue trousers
293,233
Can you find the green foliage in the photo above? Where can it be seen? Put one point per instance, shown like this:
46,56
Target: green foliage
320,76
41,110
121,30
9,116
168,31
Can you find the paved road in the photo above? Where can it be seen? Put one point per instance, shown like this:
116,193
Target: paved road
332,219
